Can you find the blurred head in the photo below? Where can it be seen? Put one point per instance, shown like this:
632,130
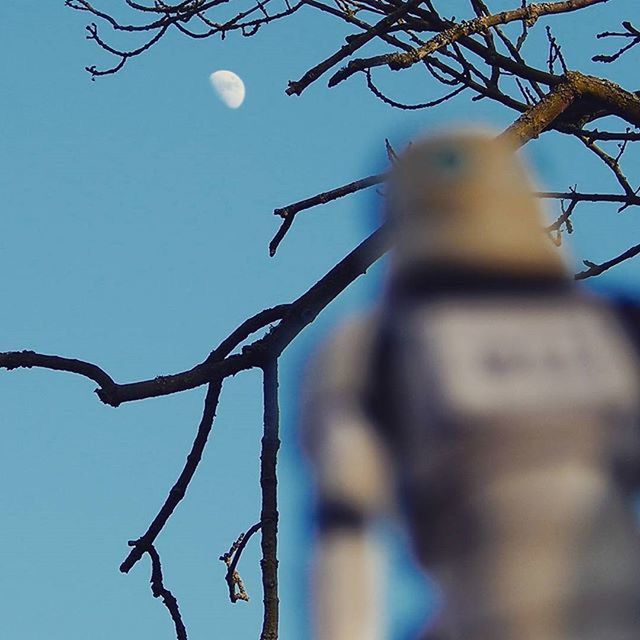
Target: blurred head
465,200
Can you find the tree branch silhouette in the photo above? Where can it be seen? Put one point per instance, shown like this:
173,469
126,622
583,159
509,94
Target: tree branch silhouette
231,558
158,590
269,515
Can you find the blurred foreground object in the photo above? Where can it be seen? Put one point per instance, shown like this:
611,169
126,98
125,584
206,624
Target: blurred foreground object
495,402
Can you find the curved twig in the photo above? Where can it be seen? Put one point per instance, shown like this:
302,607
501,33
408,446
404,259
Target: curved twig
27,359
231,559
289,212
124,55
410,107
160,591
594,269
178,16
179,489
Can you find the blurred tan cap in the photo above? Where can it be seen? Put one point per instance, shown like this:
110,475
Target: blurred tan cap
466,198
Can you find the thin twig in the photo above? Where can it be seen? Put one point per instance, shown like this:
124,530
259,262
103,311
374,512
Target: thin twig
353,45
179,489
594,269
590,197
555,53
289,212
563,219
178,16
160,591
231,558
631,32
397,61
410,107
612,163
595,134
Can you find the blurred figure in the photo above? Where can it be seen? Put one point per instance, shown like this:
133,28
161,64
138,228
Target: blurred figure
495,402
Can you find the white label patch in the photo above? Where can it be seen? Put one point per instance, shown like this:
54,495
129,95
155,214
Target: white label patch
499,357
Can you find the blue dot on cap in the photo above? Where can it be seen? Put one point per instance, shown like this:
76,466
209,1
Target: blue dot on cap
450,159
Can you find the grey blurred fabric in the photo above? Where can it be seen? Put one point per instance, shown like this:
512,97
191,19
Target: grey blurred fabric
498,404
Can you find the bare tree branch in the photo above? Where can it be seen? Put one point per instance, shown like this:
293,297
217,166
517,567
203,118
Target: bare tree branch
218,365
612,163
591,197
594,269
563,219
629,135
631,33
231,558
290,211
165,16
353,45
537,119
29,359
160,591
396,61
269,486
108,390
410,107
179,489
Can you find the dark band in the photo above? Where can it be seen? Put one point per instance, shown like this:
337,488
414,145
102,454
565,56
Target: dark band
332,515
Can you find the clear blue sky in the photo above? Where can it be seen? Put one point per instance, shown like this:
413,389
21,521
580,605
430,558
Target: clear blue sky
136,213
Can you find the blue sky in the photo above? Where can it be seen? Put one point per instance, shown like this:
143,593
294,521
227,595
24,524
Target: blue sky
136,216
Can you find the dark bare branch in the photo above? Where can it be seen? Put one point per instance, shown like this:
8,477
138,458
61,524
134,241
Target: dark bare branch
612,162
555,230
299,314
595,134
290,211
396,61
179,489
231,558
92,30
28,359
353,45
591,197
177,16
594,269
160,591
410,107
109,390
269,514
555,53
630,32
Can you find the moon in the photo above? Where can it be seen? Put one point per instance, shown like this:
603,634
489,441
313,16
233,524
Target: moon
229,87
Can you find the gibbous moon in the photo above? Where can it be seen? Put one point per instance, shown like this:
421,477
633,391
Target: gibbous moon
229,87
